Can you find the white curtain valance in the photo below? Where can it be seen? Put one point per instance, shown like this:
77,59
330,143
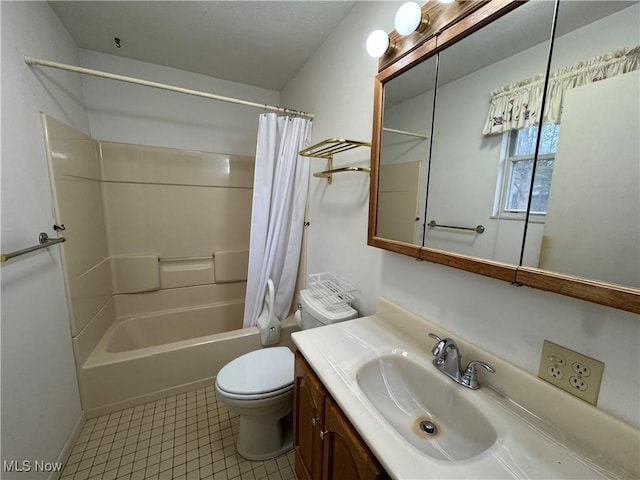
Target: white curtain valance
517,105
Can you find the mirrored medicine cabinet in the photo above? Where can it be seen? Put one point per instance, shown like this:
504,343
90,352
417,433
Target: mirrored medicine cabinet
463,174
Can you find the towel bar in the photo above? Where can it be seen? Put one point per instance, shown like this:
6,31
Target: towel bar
44,240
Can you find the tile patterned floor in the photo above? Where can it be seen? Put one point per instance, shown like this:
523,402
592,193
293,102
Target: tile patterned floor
187,436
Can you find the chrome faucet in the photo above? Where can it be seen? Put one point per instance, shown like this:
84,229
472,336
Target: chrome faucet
449,361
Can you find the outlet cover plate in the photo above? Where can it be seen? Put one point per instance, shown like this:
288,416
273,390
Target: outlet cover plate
571,371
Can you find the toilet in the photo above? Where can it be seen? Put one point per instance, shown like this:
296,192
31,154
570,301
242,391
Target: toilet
258,385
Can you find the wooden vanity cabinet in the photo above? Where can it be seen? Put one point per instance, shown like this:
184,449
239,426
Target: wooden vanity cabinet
326,445
308,421
346,457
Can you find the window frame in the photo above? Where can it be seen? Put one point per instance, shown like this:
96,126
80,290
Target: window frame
503,183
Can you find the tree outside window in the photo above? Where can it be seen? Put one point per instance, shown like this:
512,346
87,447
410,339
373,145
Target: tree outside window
519,165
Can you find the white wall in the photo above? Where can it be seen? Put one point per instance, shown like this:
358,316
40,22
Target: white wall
127,113
597,119
40,400
337,84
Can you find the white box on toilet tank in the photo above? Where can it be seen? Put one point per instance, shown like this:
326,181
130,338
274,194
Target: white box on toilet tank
314,313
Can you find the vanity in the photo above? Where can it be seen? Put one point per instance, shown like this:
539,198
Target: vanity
326,443
365,387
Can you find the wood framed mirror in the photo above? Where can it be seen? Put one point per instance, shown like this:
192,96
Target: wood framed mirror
430,155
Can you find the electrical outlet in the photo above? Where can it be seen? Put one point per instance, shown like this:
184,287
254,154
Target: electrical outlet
571,371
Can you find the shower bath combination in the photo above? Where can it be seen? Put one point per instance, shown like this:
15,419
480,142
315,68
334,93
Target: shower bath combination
155,291
157,263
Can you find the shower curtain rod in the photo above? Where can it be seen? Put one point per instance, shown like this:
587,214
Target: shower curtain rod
138,81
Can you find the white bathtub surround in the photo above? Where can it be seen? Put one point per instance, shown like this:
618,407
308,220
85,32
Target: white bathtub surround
542,432
148,314
190,435
135,273
230,265
278,209
74,173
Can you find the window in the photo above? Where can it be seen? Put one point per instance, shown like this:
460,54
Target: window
519,147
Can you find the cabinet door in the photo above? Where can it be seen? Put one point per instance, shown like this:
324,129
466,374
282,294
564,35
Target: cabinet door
346,457
308,421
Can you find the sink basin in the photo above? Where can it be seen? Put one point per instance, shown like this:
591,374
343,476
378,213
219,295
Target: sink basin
408,394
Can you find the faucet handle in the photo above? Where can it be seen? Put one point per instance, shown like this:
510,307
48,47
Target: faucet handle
437,348
470,376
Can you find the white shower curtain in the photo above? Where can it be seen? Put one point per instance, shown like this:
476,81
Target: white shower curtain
280,185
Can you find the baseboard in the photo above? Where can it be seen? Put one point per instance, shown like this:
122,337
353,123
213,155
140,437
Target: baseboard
69,444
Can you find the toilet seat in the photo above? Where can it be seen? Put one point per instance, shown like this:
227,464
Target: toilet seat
256,375
254,397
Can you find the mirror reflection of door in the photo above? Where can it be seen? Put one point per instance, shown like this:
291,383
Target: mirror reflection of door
404,153
590,226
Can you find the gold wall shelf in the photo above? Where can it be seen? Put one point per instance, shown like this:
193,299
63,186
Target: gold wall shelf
327,149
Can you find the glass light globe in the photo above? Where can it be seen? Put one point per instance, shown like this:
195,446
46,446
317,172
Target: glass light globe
446,1
377,43
408,18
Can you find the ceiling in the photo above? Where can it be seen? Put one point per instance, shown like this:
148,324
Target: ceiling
259,43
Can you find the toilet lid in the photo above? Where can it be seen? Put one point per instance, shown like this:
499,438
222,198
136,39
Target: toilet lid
261,371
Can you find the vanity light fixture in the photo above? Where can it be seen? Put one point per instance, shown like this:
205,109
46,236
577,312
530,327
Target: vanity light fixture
378,43
446,1
409,19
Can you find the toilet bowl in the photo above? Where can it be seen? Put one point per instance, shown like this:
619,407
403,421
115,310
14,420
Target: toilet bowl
258,385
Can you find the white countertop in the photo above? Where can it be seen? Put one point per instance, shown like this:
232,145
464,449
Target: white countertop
526,446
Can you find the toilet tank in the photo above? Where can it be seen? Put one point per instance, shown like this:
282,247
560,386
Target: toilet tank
316,313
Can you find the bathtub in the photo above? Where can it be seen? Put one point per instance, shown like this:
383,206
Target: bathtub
174,326
143,358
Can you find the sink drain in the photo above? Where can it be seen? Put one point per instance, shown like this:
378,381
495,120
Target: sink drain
425,427
428,427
